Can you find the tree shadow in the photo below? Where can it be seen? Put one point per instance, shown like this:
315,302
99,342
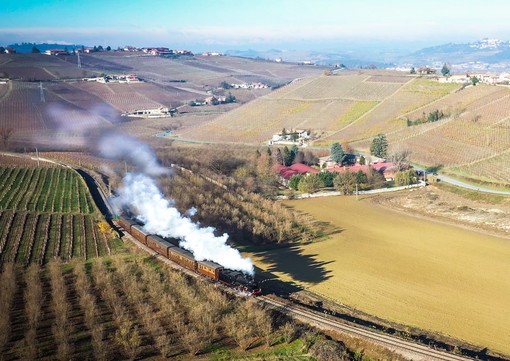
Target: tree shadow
291,261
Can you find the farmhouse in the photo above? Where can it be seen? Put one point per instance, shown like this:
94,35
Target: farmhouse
292,136
212,53
161,112
56,52
116,78
257,85
287,172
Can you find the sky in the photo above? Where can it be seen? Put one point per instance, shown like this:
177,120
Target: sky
201,25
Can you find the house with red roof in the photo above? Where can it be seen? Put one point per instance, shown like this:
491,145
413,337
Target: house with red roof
287,172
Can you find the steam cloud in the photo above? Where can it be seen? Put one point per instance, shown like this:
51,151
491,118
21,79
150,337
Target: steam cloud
118,146
141,194
161,217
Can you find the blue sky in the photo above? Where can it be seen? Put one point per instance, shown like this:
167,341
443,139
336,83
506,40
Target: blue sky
256,24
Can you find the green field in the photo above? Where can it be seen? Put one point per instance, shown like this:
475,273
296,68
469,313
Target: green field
403,269
45,213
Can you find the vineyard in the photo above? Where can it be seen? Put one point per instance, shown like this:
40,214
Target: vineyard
40,67
47,212
124,97
327,105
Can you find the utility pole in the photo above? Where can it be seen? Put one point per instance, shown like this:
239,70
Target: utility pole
79,60
37,153
357,192
42,92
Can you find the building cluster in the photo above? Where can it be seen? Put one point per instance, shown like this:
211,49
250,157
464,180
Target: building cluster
212,53
387,169
297,136
156,51
115,78
485,78
256,85
161,112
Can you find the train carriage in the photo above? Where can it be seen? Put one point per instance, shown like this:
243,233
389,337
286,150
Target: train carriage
209,269
159,245
182,257
139,234
126,224
171,250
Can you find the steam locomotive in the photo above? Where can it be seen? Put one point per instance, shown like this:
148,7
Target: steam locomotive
170,249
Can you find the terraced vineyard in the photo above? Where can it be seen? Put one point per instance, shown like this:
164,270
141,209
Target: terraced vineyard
45,213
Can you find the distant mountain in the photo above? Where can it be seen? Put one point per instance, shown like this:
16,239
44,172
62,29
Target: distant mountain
27,47
486,54
349,58
491,54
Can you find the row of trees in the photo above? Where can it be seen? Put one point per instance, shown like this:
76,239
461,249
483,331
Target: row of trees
288,156
431,117
345,181
348,181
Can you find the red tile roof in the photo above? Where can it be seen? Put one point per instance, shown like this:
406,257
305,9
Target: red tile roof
288,172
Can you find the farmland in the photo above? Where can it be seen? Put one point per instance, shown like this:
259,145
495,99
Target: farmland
124,308
354,107
330,104
439,278
47,212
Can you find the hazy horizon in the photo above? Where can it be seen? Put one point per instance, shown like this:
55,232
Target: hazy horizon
199,25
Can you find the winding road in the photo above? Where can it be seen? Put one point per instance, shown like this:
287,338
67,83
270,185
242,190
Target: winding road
458,183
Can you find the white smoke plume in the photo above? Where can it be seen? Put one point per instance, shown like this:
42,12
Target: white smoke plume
140,192
119,146
160,216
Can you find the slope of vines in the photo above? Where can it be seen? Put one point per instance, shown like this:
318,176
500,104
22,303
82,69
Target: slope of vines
46,213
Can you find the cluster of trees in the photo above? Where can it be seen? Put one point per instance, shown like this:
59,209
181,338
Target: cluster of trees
345,181
342,153
379,146
431,117
423,70
243,214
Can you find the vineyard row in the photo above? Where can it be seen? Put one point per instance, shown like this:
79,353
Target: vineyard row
39,237
55,190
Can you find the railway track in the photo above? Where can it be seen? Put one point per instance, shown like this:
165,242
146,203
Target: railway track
416,351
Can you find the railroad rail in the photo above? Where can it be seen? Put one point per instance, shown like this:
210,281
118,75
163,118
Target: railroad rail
417,351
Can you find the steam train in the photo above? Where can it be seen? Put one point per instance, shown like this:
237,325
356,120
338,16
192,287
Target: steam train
170,249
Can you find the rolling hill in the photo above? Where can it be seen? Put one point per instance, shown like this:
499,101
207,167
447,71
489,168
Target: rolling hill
356,106
472,141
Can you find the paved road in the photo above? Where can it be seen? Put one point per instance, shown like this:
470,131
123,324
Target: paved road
458,183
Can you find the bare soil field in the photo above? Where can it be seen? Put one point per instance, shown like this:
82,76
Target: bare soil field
409,270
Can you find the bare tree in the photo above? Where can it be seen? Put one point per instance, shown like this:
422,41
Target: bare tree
400,158
128,337
5,135
8,287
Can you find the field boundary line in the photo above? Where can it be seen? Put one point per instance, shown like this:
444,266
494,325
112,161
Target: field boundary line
355,121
